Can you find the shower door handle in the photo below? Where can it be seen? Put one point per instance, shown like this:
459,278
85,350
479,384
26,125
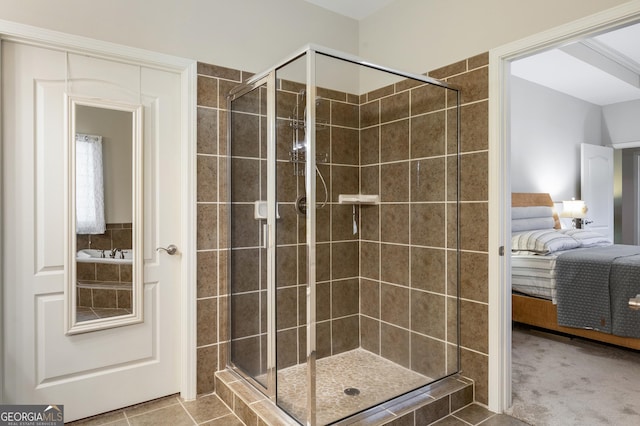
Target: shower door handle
265,235
171,249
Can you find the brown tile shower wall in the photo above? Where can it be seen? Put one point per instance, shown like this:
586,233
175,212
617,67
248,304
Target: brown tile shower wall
471,76
214,82
337,289
213,338
409,157
338,295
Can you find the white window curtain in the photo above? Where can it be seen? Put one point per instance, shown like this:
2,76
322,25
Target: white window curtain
89,185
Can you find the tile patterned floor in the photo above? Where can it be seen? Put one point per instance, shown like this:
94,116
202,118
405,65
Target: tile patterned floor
475,414
170,411
210,410
334,374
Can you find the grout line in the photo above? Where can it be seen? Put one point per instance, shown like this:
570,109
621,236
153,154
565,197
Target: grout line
177,398
187,411
462,420
126,418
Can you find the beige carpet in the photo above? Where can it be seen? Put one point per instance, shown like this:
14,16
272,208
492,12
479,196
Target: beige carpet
562,381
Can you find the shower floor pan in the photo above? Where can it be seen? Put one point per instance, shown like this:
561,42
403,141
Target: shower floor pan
377,380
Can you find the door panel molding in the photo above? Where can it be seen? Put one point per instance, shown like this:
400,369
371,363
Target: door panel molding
596,186
131,350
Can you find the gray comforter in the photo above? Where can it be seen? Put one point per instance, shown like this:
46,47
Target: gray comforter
594,286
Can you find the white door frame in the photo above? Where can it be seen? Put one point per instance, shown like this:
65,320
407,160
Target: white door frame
187,69
636,196
500,185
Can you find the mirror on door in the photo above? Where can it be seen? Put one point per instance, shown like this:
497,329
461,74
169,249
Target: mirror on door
104,285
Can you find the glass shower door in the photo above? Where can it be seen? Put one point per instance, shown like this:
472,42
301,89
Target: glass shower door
291,153
249,295
344,234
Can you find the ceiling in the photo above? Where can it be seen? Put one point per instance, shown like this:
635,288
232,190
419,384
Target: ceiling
603,70
356,9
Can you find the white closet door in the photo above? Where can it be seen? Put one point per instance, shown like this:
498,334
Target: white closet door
102,370
597,187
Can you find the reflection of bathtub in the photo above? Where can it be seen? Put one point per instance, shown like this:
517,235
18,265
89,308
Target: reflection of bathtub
95,256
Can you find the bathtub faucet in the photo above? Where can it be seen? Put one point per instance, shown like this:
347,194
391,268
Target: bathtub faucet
113,252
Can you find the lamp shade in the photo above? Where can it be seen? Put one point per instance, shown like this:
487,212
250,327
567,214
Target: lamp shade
576,209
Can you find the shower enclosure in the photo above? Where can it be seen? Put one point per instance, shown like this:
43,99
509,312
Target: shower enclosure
343,261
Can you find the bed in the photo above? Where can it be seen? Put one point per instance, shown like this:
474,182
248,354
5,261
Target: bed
560,291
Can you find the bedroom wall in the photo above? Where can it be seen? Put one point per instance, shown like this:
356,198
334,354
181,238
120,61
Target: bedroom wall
621,122
547,128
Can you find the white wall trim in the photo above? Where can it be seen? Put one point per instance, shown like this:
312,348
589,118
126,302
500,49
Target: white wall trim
624,145
188,387
500,187
187,70
636,197
98,48
2,248
499,197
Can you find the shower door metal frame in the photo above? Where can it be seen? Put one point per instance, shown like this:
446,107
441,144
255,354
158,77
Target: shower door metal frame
271,236
310,180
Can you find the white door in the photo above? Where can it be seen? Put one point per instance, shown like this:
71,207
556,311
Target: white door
102,370
596,187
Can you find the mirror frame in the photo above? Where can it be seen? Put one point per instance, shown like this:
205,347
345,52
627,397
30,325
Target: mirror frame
72,326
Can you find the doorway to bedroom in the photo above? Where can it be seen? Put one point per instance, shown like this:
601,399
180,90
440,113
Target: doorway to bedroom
531,111
570,98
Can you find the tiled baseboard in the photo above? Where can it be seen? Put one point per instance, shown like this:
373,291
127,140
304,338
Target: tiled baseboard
423,406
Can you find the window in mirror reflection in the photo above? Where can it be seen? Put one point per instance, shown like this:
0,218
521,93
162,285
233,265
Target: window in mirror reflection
89,185
104,212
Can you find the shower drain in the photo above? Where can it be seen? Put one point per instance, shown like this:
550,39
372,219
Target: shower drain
352,391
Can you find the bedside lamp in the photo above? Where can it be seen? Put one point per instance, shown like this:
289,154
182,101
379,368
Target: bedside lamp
575,209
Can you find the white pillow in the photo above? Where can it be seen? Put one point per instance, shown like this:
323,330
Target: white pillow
587,238
532,223
531,218
542,241
531,212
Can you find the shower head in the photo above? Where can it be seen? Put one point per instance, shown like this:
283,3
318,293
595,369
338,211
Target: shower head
300,146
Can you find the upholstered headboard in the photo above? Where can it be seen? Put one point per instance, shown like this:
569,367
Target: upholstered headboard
531,199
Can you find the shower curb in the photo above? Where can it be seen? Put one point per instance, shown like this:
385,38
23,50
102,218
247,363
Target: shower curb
422,406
